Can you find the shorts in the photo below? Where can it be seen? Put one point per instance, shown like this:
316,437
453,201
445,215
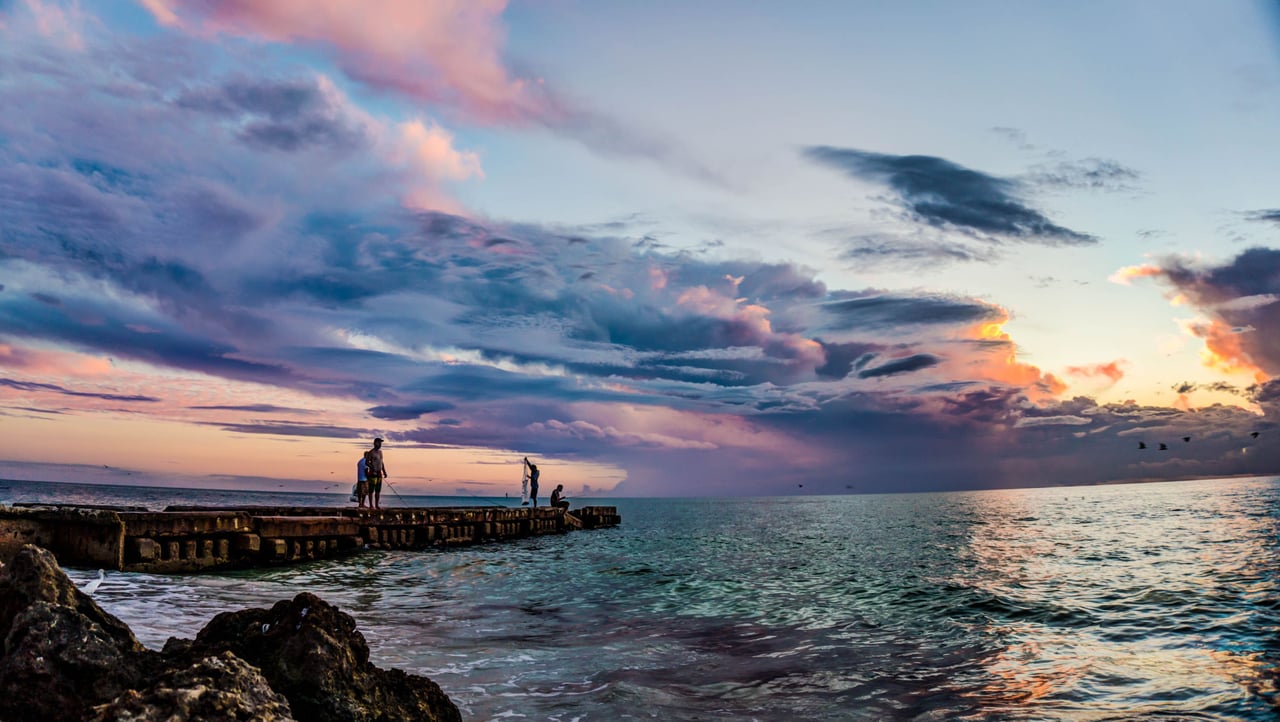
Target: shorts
375,484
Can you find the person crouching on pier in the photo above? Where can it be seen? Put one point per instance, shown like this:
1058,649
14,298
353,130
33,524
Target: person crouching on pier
377,471
558,501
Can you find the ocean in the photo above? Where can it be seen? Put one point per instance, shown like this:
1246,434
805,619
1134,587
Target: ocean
1158,601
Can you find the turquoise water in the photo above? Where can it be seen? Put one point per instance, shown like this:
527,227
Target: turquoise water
1155,600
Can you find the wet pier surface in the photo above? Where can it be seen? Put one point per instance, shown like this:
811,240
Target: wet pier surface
184,539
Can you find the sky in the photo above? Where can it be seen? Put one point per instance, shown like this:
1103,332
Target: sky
661,249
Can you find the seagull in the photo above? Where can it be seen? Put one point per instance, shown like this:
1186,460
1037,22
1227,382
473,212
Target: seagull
92,586
1186,438
1164,447
1142,444
1254,434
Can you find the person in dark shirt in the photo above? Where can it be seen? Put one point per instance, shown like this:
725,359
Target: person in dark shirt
533,481
557,500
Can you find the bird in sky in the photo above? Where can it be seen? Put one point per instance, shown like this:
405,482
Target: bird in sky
1142,444
1164,447
1186,438
1254,434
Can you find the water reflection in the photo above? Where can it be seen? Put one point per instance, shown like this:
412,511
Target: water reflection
1117,594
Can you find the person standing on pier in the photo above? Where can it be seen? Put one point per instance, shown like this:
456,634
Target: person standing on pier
533,481
362,479
376,471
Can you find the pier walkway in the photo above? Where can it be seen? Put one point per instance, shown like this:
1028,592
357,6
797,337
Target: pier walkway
184,539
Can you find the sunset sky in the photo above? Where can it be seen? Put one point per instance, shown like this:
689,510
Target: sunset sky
694,248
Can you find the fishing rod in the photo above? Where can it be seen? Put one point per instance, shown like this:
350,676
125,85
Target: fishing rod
393,490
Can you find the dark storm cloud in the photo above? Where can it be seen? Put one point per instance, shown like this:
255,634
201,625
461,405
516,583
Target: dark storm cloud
900,366
842,357
286,115
409,411
1271,215
941,193
881,250
991,404
883,311
33,386
1265,392
96,326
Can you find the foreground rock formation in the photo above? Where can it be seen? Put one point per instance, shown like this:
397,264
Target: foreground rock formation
64,658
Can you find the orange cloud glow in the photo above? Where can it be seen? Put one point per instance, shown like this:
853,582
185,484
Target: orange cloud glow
1125,275
1001,365
1222,349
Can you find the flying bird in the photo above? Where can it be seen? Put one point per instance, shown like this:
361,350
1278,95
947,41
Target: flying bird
1142,444
1254,434
92,586
1186,438
1164,447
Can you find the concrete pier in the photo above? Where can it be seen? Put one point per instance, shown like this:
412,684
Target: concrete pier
184,539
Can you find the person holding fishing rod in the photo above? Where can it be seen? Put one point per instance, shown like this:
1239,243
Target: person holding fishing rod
375,472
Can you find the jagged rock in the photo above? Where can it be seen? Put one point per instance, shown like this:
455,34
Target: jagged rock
62,652
66,659
311,653
224,687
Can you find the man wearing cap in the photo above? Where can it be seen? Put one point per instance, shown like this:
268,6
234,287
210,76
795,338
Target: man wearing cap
376,472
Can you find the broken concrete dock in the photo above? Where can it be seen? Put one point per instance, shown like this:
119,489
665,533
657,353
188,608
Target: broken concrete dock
184,539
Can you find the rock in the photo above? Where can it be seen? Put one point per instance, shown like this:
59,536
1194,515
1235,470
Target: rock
310,652
67,659
62,653
224,687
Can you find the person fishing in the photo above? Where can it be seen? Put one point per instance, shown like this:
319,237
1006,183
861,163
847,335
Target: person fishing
533,481
376,472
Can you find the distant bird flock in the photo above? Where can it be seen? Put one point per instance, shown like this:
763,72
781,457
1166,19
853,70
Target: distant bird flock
1187,439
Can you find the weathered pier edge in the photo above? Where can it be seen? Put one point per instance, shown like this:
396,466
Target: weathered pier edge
184,539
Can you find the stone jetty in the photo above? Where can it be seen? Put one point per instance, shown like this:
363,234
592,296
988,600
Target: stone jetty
183,539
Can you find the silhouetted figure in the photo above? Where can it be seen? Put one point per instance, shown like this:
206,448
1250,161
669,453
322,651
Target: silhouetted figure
1186,438
1254,434
558,501
1142,444
1164,447
533,480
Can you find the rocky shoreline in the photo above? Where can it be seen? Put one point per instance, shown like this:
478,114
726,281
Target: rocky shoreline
65,658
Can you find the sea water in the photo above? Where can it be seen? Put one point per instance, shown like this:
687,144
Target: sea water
1080,603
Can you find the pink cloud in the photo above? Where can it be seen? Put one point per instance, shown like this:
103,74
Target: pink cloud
54,363
62,25
447,52
1111,371
427,152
